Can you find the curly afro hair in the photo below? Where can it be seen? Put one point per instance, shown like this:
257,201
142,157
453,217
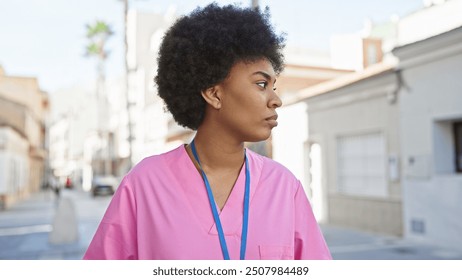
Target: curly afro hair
199,50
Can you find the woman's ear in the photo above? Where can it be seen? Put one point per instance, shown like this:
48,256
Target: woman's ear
212,96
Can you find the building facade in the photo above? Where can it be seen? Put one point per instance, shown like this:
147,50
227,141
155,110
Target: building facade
23,113
352,150
384,149
431,138
152,127
304,68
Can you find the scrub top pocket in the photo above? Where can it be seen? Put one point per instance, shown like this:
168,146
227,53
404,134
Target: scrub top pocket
276,252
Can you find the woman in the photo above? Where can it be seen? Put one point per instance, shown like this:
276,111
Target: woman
212,198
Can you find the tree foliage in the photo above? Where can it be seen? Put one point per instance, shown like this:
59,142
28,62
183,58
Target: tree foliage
98,34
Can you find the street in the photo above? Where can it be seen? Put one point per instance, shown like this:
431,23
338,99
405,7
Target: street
37,228
26,228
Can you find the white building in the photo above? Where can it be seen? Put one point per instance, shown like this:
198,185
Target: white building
304,68
151,126
431,137
73,120
351,150
384,143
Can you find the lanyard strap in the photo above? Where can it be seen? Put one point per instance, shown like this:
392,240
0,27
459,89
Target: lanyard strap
216,217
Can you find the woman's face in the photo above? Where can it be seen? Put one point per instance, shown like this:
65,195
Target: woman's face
248,101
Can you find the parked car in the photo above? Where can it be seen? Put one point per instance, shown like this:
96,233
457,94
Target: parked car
104,185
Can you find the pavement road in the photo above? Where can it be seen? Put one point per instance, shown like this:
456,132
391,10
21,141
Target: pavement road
26,229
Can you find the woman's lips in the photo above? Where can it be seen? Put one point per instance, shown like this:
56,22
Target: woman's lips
272,121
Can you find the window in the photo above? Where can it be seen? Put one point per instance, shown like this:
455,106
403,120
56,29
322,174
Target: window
361,165
458,145
372,51
447,146
372,56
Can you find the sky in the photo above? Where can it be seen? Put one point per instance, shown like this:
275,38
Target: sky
46,38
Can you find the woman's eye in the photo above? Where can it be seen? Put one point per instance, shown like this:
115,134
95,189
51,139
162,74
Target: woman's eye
262,84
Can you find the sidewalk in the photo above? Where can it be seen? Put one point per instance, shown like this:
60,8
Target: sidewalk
30,230
350,244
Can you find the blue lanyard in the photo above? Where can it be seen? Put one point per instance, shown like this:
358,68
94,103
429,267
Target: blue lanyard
216,217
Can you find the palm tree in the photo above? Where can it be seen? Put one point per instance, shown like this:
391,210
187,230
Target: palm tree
98,34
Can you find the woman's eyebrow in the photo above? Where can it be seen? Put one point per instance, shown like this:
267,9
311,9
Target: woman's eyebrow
264,74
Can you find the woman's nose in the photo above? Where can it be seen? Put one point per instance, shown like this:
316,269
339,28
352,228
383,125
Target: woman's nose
275,101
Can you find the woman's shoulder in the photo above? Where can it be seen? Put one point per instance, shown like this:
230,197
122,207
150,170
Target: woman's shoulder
152,170
156,163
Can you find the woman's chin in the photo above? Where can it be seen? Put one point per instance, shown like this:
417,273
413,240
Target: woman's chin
259,137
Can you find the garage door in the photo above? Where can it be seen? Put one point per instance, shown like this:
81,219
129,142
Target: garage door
361,165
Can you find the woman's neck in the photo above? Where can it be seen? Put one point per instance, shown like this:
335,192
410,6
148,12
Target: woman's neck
216,151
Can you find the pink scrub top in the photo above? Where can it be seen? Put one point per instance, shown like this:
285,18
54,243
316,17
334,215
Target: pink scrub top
161,211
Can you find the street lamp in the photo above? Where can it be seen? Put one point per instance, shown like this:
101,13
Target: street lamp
254,4
127,72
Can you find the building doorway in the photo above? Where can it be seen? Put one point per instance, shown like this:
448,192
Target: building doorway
316,191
